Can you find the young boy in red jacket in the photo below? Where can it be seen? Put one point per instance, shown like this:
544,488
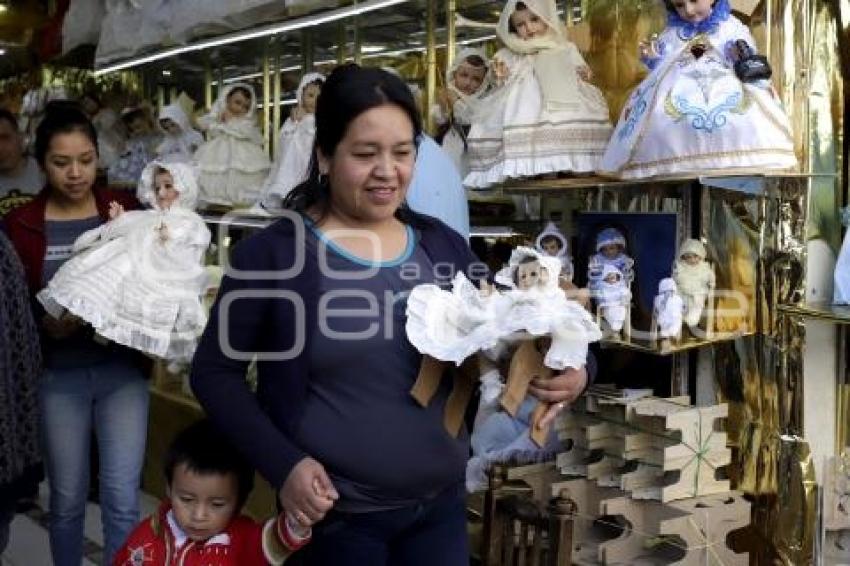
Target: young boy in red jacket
199,524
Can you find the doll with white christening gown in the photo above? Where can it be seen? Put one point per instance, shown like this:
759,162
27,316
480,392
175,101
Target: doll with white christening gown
295,144
552,242
694,278
543,116
613,297
610,250
138,279
667,308
180,140
232,162
467,81
703,106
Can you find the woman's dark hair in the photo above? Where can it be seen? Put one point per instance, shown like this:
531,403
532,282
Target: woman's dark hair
204,451
348,92
62,117
245,92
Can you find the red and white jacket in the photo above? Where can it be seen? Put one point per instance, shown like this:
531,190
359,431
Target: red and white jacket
159,541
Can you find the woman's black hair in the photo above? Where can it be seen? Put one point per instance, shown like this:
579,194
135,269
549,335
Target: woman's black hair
62,117
348,92
204,451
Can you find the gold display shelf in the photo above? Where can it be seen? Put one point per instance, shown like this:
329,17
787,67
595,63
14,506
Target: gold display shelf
838,314
648,347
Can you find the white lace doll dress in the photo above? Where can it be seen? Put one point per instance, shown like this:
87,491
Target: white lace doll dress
544,118
138,279
295,144
233,162
693,114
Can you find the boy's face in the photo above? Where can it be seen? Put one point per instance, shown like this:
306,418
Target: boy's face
203,504
468,79
610,250
690,259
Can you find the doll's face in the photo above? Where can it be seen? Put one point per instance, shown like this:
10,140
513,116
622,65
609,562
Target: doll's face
527,24
137,127
170,126
612,278
691,259
166,193
611,250
237,103
468,79
693,11
529,275
551,246
309,96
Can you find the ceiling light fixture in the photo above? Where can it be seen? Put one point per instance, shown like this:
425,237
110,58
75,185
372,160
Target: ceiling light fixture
283,27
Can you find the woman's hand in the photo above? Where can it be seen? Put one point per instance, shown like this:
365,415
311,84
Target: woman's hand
62,327
115,210
560,390
308,494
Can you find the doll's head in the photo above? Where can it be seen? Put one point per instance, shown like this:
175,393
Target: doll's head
136,121
173,120
164,189
530,273
238,101
691,11
526,24
170,127
692,252
552,242
470,74
610,243
207,481
308,91
551,245
667,286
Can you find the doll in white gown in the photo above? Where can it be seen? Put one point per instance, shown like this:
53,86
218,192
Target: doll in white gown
467,81
138,279
233,163
613,297
693,113
668,308
694,278
543,116
179,141
295,144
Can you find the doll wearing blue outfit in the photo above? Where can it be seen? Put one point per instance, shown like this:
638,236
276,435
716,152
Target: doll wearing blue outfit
610,250
693,112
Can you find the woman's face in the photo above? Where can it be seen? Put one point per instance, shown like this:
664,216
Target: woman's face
166,193
237,103
371,167
528,25
693,11
71,165
468,79
309,96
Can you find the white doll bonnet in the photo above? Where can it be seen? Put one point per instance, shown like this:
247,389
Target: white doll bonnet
308,79
176,114
505,276
667,285
610,236
459,59
692,246
185,182
220,104
551,230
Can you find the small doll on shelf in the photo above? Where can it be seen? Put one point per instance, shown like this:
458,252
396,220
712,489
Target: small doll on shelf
139,147
467,80
295,144
544,116
695,280
706,104
613,298
138,279
667,311
233,163
504,325
180,140
610,250
552,242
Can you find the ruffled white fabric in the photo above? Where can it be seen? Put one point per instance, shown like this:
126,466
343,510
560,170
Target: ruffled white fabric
138,279
692,115
668,307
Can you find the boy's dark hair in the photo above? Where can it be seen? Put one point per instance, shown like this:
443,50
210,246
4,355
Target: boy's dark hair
205,451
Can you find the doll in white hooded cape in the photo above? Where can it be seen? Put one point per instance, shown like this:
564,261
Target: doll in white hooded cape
179,141
667,309
453,325
295,144
467,81
613,297
552,242
694,278
543,116
693,113
138,279
232,162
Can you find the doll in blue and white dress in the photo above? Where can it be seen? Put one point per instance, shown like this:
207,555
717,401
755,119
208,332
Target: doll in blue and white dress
693,112
610,250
